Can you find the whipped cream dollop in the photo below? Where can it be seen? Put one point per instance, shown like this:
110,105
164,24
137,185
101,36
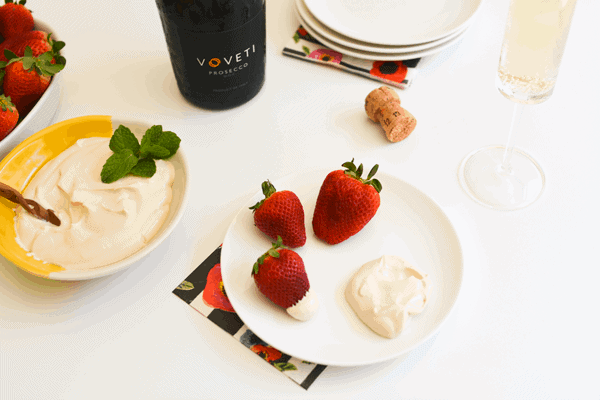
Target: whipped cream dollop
100,223
385,292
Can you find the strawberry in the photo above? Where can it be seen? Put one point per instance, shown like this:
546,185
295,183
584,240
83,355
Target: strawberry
26,78
8,116
346,203
279,274
39,46
15,19
33,35
280,214
15,43
8,44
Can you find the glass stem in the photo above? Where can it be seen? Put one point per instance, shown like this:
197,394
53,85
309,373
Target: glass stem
516,117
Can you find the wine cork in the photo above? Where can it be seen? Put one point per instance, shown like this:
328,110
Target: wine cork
397,122
378,98
383,105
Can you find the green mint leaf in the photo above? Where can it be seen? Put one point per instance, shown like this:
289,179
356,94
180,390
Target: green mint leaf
118,165
156,136
169,141
155,151
146,168
151,136
28,52
122,139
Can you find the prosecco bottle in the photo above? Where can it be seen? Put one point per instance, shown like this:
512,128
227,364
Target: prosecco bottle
217,49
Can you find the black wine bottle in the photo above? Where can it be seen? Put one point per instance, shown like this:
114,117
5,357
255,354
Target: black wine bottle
217,49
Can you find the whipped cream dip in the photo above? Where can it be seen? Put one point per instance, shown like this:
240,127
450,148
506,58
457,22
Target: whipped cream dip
100,223
385,292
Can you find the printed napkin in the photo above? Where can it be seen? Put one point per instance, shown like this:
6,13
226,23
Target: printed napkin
203,290
394,73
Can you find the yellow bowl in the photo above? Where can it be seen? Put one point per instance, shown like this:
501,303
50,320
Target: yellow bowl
24,161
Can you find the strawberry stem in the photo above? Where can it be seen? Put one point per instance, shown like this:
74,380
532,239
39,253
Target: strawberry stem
268,190
271,252
6,103
356,173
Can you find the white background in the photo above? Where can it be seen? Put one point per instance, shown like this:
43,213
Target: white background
526,325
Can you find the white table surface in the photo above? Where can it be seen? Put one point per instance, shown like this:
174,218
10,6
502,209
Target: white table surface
526,325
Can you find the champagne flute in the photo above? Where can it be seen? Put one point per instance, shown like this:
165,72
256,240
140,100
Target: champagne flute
502,177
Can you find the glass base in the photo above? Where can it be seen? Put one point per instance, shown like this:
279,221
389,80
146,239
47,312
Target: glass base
488,182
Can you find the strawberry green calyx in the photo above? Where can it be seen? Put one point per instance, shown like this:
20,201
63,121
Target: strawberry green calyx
6,104
354,172
56,47
271,252
20,2
268,190
41,64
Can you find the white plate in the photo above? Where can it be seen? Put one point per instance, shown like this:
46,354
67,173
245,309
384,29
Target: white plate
336,37
368,55
408,224
394,22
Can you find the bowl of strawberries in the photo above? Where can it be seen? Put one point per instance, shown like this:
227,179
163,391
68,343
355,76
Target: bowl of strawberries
30,60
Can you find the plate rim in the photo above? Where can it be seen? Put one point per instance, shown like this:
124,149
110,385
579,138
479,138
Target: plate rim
304,15
384,57
349,33
459,283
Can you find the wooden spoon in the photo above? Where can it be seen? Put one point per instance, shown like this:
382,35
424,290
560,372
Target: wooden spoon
31,206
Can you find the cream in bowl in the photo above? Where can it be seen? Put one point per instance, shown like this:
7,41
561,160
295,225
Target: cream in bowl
101,223
110,220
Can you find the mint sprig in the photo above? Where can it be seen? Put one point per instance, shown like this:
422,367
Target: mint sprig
131,157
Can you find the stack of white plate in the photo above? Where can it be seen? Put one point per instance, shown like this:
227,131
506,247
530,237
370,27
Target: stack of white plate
387,30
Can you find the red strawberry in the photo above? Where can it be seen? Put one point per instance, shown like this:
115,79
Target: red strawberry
8,44
33,35
27,78
280,275
280,214
8,116
346,203
38,45
15,19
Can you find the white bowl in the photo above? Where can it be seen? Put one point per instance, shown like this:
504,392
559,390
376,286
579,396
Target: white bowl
21,164
42,114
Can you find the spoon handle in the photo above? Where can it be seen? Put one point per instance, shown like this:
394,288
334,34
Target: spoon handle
31,206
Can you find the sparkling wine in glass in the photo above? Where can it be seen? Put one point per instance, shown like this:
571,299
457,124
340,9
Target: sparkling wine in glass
502,177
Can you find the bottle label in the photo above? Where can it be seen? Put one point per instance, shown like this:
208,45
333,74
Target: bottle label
223,61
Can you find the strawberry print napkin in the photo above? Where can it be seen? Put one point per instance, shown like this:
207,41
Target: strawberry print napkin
394,73
203,290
